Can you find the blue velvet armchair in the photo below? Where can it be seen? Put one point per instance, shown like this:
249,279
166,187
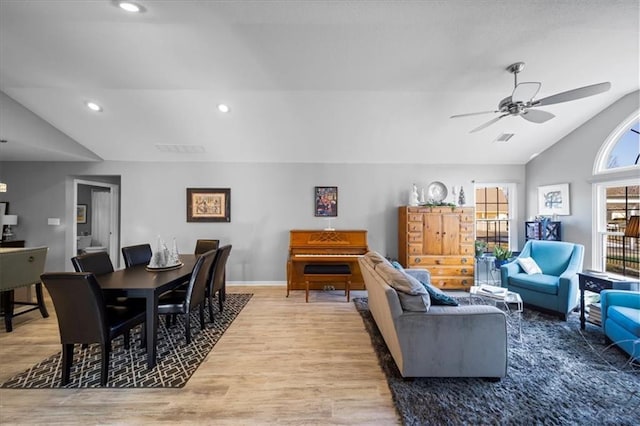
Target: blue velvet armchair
621,319
556,288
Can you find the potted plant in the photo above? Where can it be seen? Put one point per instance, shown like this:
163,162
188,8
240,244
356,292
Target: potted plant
502,255
480,247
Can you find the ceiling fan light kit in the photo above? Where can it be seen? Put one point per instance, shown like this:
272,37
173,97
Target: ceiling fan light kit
521,101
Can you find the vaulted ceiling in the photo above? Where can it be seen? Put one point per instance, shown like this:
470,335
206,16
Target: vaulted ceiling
306,81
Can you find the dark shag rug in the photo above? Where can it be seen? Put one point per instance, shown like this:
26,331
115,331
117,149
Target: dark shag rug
176,361
557,375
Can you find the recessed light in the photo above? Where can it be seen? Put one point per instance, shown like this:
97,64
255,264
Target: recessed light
130,6
534,155
223,108
94,106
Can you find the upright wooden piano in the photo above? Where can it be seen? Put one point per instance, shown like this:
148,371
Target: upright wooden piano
326,247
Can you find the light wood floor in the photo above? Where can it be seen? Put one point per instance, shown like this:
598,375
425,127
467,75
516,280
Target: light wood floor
282,361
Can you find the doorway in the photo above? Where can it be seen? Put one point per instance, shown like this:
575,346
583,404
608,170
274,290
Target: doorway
96,211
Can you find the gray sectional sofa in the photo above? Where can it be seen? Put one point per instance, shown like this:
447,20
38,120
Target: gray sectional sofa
436,341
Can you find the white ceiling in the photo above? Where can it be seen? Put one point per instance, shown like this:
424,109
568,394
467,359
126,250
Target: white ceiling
307,81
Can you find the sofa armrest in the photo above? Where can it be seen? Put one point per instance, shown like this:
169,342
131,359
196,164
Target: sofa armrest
421,275
507,270
626,298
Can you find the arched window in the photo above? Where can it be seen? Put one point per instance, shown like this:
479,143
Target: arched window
616,245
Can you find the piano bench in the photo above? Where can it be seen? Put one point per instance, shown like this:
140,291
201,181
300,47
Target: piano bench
327,273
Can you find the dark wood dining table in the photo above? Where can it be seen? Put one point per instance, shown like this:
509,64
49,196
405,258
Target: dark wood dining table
137,281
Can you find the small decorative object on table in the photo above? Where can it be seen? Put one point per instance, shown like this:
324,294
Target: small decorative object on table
461,198
162,258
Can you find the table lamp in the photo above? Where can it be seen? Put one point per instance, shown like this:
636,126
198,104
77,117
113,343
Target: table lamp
8,220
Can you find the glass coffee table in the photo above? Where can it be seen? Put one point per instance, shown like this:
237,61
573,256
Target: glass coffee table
500,297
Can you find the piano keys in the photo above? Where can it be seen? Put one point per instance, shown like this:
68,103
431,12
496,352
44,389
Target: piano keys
326,247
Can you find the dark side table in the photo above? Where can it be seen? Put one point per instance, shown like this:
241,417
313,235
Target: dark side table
596,282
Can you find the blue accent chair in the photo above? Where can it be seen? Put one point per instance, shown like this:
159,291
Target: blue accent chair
556,288
621,319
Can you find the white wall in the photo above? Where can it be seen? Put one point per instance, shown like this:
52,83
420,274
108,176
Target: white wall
267,200
571,160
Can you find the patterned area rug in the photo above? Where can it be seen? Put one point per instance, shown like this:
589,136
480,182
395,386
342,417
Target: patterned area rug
557,375
177,361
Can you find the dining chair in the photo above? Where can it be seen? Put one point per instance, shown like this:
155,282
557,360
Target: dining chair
137,255
217,280
187,300
100,263
206,245
85,318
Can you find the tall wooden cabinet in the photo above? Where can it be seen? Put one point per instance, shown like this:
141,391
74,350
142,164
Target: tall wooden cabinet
439,239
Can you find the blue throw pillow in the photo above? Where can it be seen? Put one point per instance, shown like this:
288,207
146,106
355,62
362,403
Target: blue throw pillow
397,265
438,297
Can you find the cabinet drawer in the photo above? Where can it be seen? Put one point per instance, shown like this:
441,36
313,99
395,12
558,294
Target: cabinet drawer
466,228
451,283
415,248
440,260
454,270
466,239
413,217
414,237
467,249
414,226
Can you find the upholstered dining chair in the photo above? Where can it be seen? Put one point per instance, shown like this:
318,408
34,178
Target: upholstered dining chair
85,318
192,297
100,263
206,245
137,255
217,281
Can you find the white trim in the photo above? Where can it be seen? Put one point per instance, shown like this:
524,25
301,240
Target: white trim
257,283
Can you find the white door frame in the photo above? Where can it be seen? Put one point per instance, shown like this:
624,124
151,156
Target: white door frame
114,228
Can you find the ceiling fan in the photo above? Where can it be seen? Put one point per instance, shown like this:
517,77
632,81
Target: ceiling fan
522,102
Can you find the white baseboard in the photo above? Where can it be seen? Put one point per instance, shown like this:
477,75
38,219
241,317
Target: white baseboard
257,283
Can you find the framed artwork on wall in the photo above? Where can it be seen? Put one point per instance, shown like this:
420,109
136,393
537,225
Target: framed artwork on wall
553,199
208,204
326,201
81,213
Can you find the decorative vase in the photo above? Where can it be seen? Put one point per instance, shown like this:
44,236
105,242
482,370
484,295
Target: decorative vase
461,198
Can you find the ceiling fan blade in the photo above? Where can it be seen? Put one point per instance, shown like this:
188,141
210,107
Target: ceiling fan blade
473,113
571,95
537,116
488,123
526,91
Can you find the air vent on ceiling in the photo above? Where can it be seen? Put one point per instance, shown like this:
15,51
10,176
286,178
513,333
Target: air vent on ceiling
504,137
181,149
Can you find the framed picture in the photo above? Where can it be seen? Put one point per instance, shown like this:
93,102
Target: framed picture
553,199
326,201
81,213
208,205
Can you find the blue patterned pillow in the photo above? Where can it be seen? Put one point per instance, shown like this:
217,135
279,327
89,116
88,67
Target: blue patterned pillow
438,297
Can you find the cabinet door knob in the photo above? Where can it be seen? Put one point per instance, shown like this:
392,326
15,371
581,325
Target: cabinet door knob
418,260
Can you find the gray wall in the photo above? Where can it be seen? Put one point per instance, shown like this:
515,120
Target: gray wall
267,200
571,160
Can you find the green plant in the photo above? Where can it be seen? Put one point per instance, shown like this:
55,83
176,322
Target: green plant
501,253
480,247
